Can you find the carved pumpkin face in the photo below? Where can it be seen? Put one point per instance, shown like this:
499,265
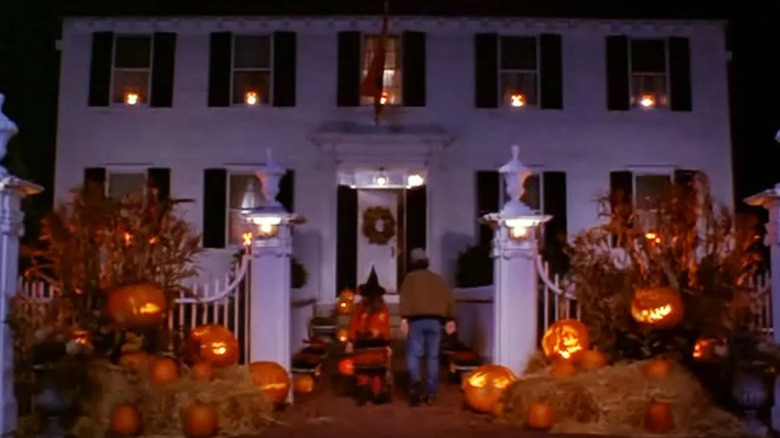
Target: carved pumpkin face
200,420
215,344
485,386
659,417
272,379
659,307
137,305
709,349
345,307
540,416
565,339
347,295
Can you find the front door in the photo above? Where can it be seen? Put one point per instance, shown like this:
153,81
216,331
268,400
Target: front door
379,224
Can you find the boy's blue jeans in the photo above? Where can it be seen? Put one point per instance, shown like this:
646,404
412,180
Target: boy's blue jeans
424,337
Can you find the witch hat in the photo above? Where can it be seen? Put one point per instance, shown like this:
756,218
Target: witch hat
371,286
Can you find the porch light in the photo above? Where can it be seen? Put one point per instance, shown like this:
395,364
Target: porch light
647,101
251,98
381,180
414,180
132,98
267,224
517,100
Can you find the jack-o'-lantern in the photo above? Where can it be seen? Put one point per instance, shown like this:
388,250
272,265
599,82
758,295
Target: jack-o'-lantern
565,339
137,305
347,295
659,307
202,371
343,335
163,371
540,416
135,361
592,360
216,344
272,379
659,417
563,368
485,386
344,307
657,368
704,349
303,384
81,337
125,421
200,420
347,366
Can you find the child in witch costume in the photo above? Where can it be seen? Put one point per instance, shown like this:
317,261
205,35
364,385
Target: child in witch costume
369,343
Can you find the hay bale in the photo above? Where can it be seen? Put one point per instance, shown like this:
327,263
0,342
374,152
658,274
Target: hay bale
109,385
614,399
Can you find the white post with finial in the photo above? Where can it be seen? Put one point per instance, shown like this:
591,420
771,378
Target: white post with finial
515,280
12,191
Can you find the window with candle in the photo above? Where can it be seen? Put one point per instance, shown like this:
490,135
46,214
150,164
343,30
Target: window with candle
391,80
243,193
518,71
649,73
251,75
131,69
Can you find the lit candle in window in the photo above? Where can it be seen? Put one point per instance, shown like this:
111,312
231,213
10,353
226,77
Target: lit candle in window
131,98
647,101
517,100
384,98
251,98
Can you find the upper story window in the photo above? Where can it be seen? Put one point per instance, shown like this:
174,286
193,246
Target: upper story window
251,69
392,77
649,73
132,69
519,72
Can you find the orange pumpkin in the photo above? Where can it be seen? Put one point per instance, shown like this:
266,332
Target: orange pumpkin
540,416
659,417
215,344
202,371
347,366
659,307
137,305
200,420
272,379
485,386
303,384
163,371
657,368
563,368
592,360
345,307
565,339
136,361
347,295
125,421
704,349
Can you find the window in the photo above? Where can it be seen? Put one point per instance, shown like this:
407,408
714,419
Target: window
649,74
251,75
132,67
122,184
391,82
243,193
648,191
518,71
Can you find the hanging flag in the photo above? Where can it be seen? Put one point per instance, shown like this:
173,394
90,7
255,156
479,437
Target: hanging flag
373,83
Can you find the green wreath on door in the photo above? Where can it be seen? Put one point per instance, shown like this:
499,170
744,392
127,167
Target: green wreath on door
372,217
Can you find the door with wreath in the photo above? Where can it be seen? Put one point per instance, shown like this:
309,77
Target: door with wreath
378,242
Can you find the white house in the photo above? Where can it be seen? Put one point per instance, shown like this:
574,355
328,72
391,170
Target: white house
190,105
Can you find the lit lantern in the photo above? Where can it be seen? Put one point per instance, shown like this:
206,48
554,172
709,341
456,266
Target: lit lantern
251,98
384,98
565,339
517,100
415,181
128,238
272,379
132,98
137,305
215,344
647,101
246,238
485,386
342,335
659,307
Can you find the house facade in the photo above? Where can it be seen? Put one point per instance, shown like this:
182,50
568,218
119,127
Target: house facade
192,105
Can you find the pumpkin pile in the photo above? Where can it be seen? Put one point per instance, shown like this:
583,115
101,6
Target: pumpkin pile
622,399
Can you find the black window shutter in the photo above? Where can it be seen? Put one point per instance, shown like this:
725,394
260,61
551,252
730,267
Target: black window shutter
95,181
621,188
159,178
551,71
163,66
285,70
214,208
346,250
348,82
220,56
488,199
555,230
416,219
413,70
486,70
618,98
100,69
286,195
683,178
680,74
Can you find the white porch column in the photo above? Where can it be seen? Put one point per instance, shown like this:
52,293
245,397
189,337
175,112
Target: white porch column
12,190
515,305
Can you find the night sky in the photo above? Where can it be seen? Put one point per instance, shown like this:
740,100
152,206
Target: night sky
29,66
